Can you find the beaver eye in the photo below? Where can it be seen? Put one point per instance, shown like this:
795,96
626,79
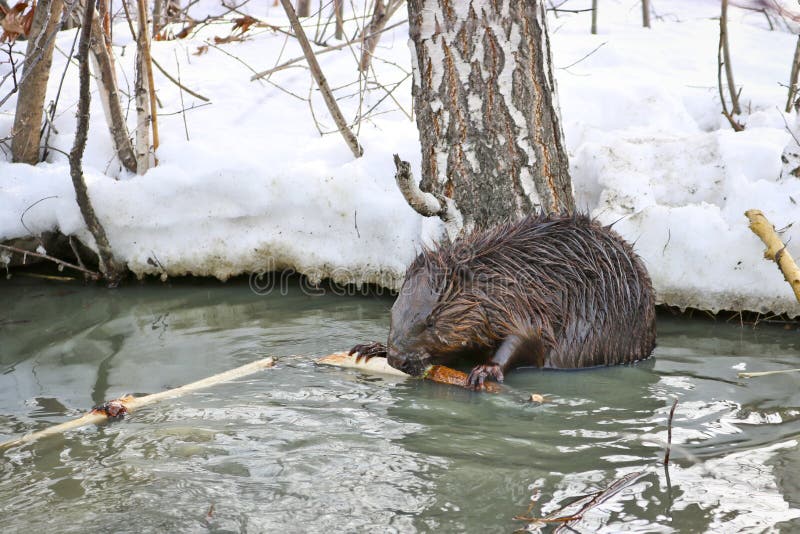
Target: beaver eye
429,322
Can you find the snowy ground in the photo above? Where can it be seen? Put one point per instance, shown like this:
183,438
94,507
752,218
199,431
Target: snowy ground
247,182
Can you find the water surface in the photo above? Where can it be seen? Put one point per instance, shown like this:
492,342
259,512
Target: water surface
306,448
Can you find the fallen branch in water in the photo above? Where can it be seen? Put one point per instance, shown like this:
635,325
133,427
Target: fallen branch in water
586,503
776,250
768,373
377,364
119,407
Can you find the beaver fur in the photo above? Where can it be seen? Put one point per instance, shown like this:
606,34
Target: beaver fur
551,291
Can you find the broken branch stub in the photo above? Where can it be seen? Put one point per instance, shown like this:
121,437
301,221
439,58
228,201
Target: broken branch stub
428,204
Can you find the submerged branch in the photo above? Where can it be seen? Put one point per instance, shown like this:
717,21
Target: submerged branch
118,407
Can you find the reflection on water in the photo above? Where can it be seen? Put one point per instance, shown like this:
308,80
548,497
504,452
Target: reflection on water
306,448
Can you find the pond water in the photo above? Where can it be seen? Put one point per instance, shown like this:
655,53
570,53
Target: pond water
307,448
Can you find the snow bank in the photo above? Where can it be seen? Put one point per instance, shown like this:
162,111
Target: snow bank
255,186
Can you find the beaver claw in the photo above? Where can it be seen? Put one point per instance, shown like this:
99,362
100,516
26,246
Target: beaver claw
366,351
480,373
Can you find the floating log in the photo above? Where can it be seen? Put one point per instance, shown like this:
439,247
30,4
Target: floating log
118,407
376,364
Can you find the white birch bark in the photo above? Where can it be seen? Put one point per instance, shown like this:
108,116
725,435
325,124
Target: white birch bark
487,108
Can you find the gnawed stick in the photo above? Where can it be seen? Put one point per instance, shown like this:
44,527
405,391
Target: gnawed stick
776,250
129,403
768,373
376,364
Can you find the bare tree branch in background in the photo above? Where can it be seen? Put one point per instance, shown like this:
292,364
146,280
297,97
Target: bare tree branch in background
723,32
371,33
303,8
594,17
322,83
738,127
646,13
793,77
338,13
112,270
33,86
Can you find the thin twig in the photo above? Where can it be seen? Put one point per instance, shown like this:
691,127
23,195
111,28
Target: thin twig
94,275
75,251
598,47
787,127
287,63
177,82
178,65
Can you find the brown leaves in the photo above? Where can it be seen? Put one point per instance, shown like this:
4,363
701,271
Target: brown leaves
240,27
16,21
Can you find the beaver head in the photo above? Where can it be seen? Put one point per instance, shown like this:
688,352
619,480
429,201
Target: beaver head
438,315
410,332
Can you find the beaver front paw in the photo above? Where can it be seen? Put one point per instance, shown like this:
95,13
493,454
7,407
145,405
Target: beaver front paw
480,373
368,350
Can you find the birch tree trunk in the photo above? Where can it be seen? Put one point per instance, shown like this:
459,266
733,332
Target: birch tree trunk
103,64
142,93
33,88
487,109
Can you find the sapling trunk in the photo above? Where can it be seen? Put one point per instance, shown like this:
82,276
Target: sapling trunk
111,269
33,87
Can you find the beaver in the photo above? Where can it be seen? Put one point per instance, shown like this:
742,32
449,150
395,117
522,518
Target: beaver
550,291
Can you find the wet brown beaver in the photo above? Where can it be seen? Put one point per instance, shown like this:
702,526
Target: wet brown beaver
548,291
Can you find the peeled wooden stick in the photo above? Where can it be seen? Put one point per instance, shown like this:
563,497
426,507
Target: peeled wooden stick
767,373
776,250
435,373
129,403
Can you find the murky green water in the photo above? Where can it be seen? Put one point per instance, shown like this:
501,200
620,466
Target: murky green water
305,448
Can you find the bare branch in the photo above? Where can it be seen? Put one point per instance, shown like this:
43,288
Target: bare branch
737,127
111,268
322,83
793,77
723,30
288,63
